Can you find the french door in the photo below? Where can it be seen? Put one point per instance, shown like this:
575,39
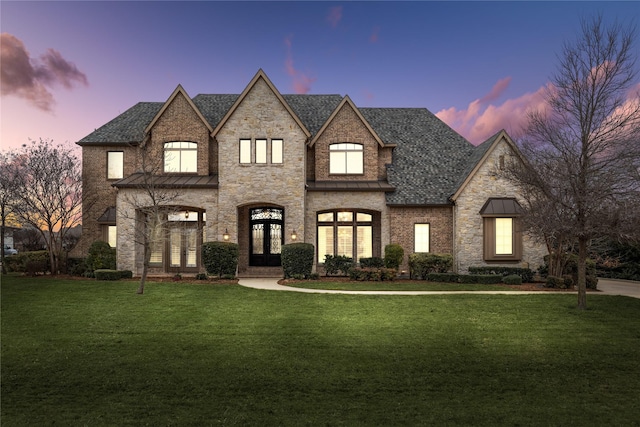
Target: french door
183,247
266,238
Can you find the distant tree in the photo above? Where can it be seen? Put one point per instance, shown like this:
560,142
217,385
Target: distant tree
8,190
49,196
581,177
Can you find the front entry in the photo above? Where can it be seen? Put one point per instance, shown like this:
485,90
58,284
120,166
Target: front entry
183,247
266,238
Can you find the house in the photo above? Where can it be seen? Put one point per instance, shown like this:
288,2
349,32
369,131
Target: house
264,169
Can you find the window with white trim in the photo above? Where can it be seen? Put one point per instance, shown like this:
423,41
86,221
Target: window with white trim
115,165
180,157
421,238
346,158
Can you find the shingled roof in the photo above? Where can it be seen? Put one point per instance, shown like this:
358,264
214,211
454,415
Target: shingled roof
429,162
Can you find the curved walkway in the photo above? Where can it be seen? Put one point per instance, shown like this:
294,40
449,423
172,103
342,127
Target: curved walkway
606,286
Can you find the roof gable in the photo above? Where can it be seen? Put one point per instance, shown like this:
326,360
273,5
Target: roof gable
260,75
346,101
178,91
481,154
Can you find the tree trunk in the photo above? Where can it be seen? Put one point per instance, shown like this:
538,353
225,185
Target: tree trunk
582,272
4,267
145,267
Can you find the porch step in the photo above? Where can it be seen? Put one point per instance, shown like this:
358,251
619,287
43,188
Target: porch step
262,272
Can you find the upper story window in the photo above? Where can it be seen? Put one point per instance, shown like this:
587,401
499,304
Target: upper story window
346,158
115,165
180,157
260,150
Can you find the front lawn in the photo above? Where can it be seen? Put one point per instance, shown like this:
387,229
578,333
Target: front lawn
400,285
78,352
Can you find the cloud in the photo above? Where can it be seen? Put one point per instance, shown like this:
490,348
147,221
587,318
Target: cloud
335,16
301,81
481,119
28,78
375,35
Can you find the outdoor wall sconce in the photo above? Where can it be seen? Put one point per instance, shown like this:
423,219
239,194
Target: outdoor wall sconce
186,214
294,236
225,236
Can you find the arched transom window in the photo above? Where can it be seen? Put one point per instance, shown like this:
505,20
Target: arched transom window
180,157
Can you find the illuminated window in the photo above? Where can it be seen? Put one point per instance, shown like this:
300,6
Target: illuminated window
245,151
502,236
345,233
261,151
111,235
115,165
421,237
276,151
346,158
180,157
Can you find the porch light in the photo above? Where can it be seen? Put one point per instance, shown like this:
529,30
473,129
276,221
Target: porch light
294,236
225,236
186,214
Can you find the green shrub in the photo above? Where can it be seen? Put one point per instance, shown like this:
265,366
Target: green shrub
337,264
126,274
373,262
220,258
512,279
297,259
201,276
32,262
371,274
555,282
421,264
525,273
571,269
393,254
101,256
76,266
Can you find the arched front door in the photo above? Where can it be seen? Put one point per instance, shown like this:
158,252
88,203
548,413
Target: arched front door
266,238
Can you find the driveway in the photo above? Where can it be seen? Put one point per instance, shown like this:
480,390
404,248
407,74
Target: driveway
619,287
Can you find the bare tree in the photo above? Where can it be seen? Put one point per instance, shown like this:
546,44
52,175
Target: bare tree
49,196
580,179
8,190
150,206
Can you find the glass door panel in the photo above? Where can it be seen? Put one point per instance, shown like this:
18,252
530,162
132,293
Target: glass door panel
191,240
175,241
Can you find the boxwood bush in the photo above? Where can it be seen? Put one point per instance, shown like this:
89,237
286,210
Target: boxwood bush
393,254
372,274
421,264
297,260
373,262
32,262
512,279
108,274
101,256
337,264
220,258
525,273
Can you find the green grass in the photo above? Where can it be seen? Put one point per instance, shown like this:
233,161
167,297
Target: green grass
415,285
94,353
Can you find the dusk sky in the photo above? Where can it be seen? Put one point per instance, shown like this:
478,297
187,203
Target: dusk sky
69,67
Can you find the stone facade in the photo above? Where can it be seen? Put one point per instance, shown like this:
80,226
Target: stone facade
487,183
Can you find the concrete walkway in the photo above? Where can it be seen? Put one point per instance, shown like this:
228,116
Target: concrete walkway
606,286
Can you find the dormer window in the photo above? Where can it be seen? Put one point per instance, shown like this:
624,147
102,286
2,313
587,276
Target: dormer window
180,157
346,159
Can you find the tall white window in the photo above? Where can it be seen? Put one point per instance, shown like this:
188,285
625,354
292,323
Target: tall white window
504,236
261,151
346,158
115,165
421,237
180,157
276,151
245,151
111,235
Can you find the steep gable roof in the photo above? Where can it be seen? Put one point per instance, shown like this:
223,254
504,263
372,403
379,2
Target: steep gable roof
346,101
260,75
178,91
127,128
479,156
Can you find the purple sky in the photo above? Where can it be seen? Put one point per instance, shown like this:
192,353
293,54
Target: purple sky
69,67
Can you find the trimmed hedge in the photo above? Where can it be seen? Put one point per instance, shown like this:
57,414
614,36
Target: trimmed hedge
482,279
525,273
371,274
393,254
101,256
297,260
220,258
421,264
108,274
32,263
337,264
373,262
512,279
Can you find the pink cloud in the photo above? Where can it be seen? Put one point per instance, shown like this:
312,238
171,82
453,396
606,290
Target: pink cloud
301,81
481,119
335,16
375,35
28,78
